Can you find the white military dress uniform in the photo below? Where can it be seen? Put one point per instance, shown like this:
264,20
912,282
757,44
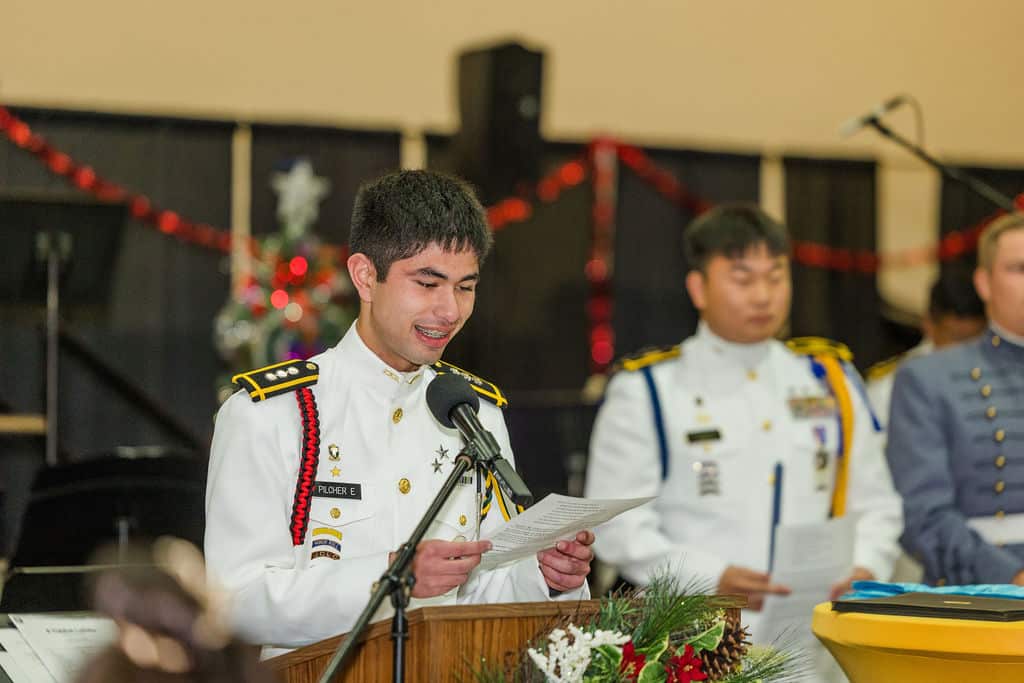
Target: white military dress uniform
730,414
382,458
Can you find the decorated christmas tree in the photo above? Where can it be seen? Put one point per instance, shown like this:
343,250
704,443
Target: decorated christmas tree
298,300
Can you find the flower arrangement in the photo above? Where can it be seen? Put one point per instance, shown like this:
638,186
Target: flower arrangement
664,633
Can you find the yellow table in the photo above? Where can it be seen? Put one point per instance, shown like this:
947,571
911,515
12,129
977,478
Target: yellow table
875,648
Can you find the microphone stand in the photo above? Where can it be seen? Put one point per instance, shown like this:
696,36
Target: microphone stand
397,581
978,186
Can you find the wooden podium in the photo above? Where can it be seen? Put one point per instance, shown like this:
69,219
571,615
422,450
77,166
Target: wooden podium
443,641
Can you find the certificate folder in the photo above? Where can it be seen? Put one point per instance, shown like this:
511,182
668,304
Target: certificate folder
940,605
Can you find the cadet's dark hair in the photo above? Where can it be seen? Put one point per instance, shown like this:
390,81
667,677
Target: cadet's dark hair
730,230
953,294
401,214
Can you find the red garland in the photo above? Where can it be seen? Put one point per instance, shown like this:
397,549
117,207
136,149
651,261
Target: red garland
599,266
307,469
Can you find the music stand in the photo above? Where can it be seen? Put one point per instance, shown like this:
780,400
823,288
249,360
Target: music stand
41,232
112,500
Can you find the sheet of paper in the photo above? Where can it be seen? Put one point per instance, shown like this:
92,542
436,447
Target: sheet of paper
12,670
809,559
553,519
65,643
20,661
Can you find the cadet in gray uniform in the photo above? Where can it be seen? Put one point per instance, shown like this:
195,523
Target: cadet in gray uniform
956,434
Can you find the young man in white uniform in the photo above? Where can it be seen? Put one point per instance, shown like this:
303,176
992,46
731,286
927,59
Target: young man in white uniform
320,469
705,426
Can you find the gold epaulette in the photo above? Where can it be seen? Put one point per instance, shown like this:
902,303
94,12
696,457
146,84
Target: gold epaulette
487,390
649,356
278,378
884,367
819,346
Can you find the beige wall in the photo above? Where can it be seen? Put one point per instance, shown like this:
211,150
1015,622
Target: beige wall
771,77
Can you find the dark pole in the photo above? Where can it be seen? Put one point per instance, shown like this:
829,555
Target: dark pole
978,186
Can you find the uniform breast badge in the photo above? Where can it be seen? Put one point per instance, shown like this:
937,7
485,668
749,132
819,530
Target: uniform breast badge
812,407
820,460
708,478
333,452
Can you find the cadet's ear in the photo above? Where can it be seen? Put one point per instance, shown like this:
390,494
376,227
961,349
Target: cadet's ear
981,283
363,274
695,288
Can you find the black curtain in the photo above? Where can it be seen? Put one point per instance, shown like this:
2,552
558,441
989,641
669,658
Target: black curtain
346,158
651,304
961,208
156,325
833,202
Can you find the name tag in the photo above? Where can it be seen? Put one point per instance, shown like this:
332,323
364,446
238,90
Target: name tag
337,489
704,435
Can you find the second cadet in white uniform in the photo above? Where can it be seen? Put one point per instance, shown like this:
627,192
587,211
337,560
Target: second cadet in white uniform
320,469
705,425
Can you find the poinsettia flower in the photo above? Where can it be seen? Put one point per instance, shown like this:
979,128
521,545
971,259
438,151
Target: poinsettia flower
684,668
632,662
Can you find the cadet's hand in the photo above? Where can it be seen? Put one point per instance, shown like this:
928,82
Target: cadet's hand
754,585
859,574
440,566
565,567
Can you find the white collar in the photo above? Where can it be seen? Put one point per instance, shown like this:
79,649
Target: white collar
734,353
1014,339
374,371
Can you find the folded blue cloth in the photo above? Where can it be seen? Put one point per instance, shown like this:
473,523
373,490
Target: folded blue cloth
881,589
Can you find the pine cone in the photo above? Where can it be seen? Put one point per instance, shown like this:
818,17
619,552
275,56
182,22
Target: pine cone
726,658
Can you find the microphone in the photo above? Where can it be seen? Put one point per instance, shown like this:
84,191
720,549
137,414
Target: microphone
454,404
858,122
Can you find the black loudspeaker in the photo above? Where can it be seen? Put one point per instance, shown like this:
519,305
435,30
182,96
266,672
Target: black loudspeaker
498,147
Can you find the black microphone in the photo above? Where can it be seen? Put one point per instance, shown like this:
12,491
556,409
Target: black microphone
454,404
858,122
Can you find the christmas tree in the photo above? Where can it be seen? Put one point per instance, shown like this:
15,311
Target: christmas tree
298,300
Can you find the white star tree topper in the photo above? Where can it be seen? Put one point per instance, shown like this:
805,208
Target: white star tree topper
299,192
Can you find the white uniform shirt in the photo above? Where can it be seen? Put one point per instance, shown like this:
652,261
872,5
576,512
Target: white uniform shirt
729,418
376,431
880,389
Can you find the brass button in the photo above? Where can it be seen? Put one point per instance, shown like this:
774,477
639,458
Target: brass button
991,412
404,485
1000,486
766,425
986,390
1000,514
975,373
335,513
310,366
1001,461
462,520
752,375
996,341
396,416
1000,435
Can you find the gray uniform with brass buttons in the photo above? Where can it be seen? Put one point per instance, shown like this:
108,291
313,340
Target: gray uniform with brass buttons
956,452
